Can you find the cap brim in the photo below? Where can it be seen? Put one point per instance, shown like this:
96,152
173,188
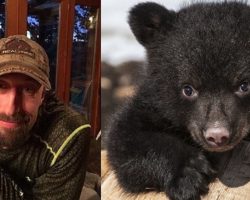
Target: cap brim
29,71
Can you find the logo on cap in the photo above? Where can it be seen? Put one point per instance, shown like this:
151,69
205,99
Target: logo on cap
16,46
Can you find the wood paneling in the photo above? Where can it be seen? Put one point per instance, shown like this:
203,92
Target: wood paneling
95,115
92,3
16,17
64,52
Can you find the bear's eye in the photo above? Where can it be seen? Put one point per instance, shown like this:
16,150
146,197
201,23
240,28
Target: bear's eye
244,87
189,91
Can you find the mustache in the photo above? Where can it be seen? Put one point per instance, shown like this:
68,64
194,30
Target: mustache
17,118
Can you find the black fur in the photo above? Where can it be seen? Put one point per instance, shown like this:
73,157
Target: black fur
157,140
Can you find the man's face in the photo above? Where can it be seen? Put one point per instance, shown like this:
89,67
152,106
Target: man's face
20,99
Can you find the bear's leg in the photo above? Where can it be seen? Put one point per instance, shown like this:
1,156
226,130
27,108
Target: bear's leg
164,164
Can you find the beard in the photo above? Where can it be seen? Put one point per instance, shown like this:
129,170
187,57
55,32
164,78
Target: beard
13,138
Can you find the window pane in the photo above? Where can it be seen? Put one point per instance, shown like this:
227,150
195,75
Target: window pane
43,27
2,18
82,57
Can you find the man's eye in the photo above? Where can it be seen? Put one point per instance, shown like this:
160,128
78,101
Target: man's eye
29,90
3,86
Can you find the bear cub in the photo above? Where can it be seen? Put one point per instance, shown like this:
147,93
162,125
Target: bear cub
192,105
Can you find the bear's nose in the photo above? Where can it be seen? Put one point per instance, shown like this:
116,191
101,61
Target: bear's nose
216,136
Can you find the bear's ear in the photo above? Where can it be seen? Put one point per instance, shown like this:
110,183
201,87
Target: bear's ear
149,19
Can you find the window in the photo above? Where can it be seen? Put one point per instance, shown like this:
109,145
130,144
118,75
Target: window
2,18
82,57
42,26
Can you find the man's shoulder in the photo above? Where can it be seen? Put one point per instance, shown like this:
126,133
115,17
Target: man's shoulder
54,114
59,123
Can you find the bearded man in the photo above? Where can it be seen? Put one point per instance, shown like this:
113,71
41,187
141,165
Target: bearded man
43,144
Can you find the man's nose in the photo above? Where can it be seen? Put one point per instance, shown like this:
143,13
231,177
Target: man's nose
13,104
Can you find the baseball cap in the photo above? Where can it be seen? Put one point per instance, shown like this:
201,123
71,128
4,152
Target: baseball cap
19,54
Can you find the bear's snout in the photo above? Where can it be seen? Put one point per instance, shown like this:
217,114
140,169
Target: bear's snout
216,136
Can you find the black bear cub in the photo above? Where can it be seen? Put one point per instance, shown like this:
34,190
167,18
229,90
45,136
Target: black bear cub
193,103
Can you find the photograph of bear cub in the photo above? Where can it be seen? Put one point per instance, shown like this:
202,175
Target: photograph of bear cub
194,102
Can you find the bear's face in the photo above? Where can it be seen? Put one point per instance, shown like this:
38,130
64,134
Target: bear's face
199,67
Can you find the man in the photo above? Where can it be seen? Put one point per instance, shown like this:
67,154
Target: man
43,144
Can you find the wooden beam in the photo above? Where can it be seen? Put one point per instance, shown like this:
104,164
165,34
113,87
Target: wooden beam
16,17
95,115
64,52
91,3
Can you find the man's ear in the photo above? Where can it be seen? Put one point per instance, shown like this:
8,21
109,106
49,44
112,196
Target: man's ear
147,20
